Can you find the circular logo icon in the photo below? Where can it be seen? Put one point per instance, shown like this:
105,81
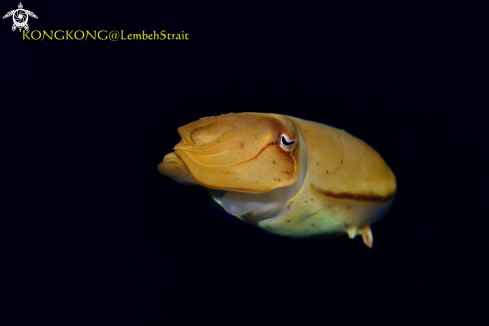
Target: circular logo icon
20,17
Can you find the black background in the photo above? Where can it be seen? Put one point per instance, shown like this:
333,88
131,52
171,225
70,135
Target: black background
94,232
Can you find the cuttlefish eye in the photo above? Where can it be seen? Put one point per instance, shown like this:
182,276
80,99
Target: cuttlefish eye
287,144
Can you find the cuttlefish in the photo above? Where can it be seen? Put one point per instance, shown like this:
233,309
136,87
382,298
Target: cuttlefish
287,176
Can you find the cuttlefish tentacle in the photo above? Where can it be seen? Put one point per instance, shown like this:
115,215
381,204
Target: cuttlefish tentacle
288,176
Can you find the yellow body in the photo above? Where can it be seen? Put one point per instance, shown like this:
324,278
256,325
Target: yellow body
288,176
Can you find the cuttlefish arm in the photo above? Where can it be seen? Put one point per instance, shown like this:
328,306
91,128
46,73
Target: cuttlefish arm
288,176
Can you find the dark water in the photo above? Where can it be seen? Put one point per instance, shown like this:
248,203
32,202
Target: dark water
93,232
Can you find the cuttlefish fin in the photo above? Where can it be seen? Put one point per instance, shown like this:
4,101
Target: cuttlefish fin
366,233
352,232
367,236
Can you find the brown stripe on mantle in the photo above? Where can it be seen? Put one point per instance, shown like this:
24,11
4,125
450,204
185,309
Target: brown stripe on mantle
345,195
